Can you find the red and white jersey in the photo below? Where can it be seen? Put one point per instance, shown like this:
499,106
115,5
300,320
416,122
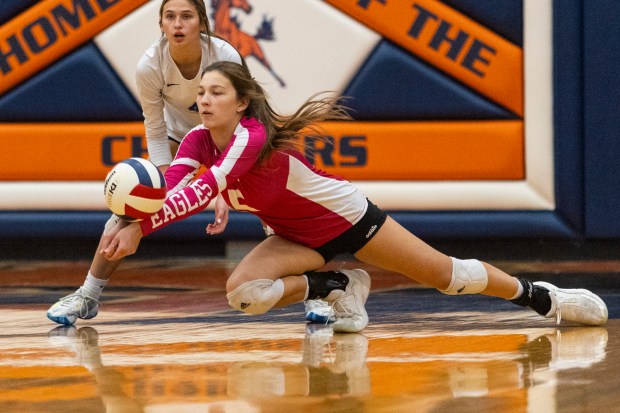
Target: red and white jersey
297,200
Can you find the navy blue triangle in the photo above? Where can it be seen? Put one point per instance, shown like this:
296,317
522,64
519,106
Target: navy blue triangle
504,17
11,8
81,87
394,85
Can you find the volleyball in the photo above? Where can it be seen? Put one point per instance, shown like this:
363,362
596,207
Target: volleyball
134,189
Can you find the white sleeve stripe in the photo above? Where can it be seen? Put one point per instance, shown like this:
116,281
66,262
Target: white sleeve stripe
186,161
220,173
182,184
220,178
333,194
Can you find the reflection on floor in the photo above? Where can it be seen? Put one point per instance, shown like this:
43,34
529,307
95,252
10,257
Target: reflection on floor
165,341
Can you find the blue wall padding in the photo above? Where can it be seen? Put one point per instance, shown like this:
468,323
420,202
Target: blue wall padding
568,116
488,224
89,224
427,225
601,49
504,17
11,8
81,87
393,85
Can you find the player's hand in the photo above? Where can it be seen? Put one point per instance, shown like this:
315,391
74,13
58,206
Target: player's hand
125,242
221,217
112,226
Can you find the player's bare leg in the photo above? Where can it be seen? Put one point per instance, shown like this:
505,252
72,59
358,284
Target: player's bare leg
84,302
277,258
279,272
396,249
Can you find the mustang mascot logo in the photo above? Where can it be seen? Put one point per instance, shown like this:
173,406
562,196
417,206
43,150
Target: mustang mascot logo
247,45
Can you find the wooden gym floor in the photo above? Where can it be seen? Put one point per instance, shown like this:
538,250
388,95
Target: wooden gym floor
166,341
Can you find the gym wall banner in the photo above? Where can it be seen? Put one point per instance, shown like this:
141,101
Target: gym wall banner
450,112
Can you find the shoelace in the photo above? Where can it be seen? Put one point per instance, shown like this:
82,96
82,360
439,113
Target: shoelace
68,301
347,310
558,308
331,313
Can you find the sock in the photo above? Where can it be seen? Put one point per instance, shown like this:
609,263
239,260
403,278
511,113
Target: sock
93,286
519,292
307,287
535,297
320,284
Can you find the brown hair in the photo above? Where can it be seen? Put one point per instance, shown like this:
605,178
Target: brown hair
201,10
282,131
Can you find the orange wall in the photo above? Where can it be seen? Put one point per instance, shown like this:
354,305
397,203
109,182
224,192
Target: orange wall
485,150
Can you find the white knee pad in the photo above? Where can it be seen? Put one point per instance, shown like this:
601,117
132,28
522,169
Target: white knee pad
468,277
257,296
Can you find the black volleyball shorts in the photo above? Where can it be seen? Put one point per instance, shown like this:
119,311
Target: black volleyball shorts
353,239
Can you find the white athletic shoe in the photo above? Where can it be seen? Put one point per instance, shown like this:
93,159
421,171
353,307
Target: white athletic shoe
319,311
349,305
579,305
73,306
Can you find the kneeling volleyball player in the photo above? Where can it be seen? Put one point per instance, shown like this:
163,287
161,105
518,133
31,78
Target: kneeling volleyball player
252,160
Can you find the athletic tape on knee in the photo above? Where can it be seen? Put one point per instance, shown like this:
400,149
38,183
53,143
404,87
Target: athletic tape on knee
468,277
257,296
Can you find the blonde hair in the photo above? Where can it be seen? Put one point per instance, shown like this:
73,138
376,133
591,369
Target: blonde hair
282,131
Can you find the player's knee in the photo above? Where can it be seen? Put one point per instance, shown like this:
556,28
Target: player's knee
256,296
468,277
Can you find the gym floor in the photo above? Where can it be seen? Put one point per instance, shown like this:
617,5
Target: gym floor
165,340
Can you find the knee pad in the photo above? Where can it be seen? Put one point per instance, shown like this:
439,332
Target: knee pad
257,296
468,277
